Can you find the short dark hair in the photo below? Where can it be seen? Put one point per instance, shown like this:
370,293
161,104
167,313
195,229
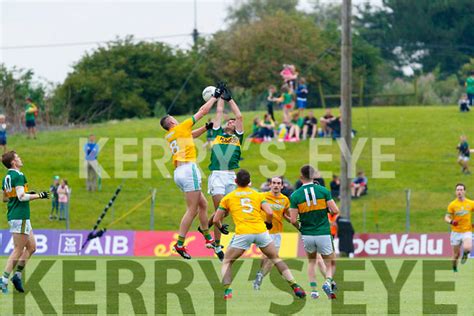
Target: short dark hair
307,172
7,158
163,122
460,184
243,178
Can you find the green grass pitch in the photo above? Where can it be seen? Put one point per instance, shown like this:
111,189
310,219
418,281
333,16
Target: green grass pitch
366,293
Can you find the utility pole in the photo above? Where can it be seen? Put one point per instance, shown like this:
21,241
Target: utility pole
195,31
346,106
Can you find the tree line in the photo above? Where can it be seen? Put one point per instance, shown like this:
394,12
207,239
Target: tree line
128,78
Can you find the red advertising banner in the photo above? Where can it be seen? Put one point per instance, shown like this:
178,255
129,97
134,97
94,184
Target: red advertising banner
159,244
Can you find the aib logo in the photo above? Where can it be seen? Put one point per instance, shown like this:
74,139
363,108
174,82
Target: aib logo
69,244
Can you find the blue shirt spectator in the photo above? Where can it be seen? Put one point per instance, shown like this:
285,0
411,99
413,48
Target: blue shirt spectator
91,149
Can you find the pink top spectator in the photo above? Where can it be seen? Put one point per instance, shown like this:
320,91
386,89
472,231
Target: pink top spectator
63,194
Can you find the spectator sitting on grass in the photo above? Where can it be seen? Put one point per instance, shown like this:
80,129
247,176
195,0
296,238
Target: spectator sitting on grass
256,135
335,187
324,120
267,127
464,105
295,129
359,185
310,126
464,154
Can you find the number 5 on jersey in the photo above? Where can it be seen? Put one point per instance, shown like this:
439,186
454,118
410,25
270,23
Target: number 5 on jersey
246,205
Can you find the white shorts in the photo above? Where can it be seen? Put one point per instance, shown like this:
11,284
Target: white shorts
463,158
188,177
276,240
245,241
221,182
20,226
457,238
321,244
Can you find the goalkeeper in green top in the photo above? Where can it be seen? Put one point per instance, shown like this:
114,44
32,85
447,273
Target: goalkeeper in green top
312,203
225,158
15,192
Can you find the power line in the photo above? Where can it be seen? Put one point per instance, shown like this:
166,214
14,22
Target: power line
72,44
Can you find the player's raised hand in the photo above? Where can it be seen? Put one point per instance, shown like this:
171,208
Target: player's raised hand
454,223
226,94
209,125
220,86
43,195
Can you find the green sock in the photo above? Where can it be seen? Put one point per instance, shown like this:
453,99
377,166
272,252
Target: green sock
218,242
329,280
206,234
6,275
292,283
227,289
19,268
181,241
313,285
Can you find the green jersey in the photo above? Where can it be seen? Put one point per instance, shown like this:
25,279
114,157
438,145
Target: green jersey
16,208
29,112
470,85
311,202
225,154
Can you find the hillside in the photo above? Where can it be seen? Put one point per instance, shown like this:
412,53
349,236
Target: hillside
425,162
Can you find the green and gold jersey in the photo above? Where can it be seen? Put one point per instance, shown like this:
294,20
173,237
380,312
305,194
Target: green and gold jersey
311,202
16,208
226,151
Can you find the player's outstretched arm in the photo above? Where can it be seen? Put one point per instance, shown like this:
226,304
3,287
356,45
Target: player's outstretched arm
25,196
201,130
332,206
217,121
227,96
268,214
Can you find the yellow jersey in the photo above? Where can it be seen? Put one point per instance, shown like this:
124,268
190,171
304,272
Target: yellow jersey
181,142
244,205
461,212
279,205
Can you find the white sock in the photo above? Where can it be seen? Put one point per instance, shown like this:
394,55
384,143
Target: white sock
4,280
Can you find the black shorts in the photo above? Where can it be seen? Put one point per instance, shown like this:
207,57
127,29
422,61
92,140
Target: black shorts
30,123
3,141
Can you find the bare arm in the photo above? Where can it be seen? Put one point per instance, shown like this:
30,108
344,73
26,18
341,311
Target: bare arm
218,217
286,215
23,196
268,212
5,197
294,218
198,131
239,120
332,206
219,113
204,109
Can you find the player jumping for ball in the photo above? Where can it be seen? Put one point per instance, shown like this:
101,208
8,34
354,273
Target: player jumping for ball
280,206
459,216
186,175
225,157
311,203
15,192
246,206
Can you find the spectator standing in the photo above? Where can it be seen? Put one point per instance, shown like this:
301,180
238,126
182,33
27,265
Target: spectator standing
53,189
302,96
310,126
286,99
63,199
289,75
470,88
359,185
335,187
3,133
31,111
91,150
463,103
464,154
271,99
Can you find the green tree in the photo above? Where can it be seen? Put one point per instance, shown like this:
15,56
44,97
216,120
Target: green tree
253,10
126,79
432,33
